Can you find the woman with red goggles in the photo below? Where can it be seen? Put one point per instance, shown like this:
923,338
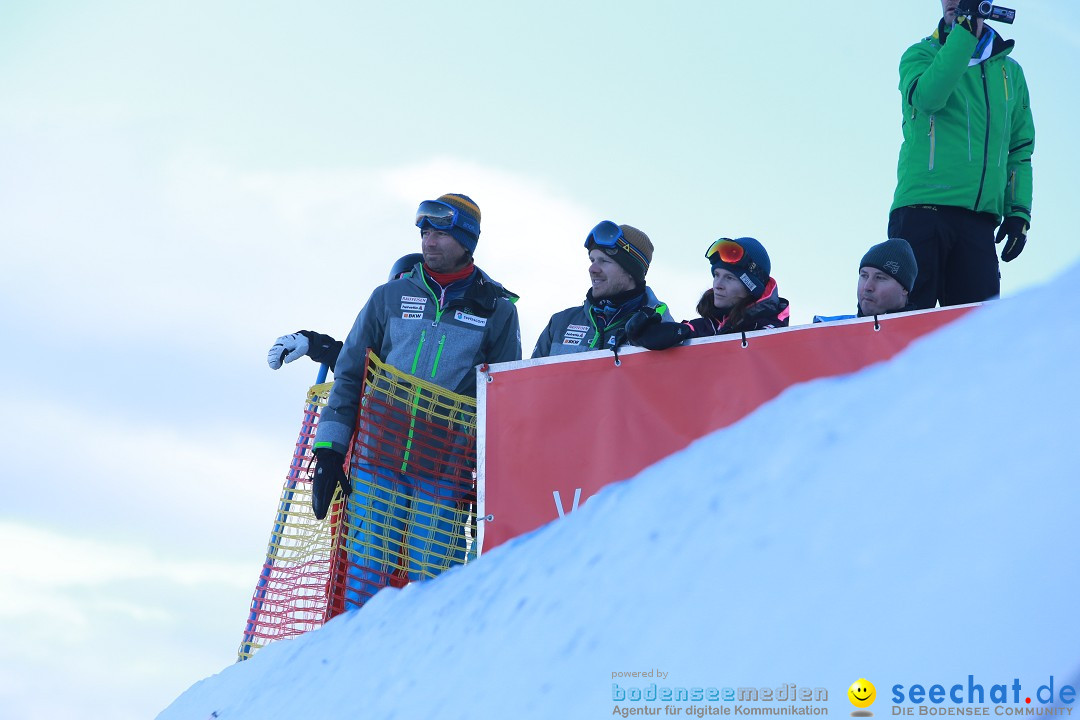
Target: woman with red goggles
743,297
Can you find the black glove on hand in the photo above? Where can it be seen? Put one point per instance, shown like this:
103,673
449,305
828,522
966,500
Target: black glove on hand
966,14
967,8
639,322
1015,228
329,473
646,329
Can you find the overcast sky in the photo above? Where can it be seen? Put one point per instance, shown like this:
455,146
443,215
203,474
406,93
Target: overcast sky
181,183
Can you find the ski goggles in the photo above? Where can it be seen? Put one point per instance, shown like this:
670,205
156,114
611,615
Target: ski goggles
443,216
728,251
609,236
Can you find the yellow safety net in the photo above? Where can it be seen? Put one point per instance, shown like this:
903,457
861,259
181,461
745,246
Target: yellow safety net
411,513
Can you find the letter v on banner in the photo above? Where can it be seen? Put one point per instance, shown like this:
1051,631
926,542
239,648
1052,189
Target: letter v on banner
558,501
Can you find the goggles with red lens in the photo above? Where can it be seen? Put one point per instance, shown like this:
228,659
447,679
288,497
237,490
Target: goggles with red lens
443,216
609,236
728,250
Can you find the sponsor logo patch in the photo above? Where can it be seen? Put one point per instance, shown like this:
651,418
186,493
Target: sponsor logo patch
582,328
465,317
413,306
571,341
412,316
411,299
750,284
892,266
575,334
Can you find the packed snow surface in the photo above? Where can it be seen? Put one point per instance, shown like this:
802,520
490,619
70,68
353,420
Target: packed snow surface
911,524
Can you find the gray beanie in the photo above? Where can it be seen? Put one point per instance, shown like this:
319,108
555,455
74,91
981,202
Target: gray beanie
894,258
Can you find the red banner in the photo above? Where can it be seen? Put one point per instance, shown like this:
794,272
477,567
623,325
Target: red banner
552,432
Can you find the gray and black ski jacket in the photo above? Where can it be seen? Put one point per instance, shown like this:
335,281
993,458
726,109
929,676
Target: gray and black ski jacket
410,327
575,330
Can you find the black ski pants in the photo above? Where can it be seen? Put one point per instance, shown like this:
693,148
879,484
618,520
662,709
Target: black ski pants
955,251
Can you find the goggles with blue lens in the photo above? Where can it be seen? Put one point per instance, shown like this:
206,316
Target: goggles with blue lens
610,237
443,216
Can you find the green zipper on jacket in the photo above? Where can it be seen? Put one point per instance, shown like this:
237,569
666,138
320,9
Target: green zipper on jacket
438,354
416,356
597,334
438,305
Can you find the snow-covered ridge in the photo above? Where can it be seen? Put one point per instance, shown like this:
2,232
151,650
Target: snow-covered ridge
914,523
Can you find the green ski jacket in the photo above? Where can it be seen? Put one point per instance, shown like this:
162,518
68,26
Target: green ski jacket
968,132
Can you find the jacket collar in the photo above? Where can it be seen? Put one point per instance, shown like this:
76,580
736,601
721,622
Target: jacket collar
482,293
770,305
1001,45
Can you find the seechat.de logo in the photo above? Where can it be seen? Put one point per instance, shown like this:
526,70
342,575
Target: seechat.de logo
862,694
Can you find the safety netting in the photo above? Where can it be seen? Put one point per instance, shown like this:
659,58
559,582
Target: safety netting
411,513
290,596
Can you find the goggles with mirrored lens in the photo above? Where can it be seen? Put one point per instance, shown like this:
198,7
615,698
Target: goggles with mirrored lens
728,250
610,236
443,216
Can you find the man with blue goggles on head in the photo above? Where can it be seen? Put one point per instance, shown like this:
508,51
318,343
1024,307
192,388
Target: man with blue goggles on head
437,322
619,257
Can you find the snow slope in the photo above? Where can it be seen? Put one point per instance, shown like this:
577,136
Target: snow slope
914,523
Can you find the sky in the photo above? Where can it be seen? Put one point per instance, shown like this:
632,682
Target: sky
182,183
908,530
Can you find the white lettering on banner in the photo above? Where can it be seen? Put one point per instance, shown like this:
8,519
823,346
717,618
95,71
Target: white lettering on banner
412,316
413,306
410,298
558,501
471,319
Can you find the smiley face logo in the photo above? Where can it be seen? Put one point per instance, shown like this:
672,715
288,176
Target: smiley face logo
862,693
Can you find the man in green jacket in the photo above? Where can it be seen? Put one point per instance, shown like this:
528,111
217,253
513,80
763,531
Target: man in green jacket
965,164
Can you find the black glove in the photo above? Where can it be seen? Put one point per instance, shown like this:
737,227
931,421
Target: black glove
646,329
967,8
329,473
966,13
1015,228
639,322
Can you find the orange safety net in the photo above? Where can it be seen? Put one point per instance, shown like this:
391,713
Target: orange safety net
411,513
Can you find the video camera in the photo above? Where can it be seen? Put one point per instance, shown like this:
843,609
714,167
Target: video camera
988,11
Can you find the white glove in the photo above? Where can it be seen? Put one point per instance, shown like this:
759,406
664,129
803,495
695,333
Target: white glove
286,349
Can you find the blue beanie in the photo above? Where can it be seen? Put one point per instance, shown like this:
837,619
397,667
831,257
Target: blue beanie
465,205
753,269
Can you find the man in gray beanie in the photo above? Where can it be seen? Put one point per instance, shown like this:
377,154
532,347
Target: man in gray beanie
887,273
